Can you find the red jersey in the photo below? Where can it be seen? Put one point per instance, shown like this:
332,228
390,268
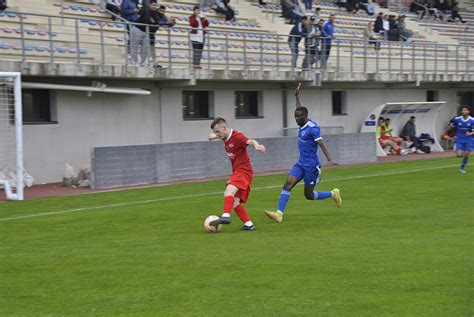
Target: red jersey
236,149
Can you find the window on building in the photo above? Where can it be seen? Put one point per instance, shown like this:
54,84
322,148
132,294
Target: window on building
339,104
198,104
466,98
37,108
432,95
248,104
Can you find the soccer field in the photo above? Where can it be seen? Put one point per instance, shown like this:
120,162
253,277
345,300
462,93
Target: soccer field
401,245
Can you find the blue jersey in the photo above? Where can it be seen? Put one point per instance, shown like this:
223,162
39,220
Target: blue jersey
307,137
462,127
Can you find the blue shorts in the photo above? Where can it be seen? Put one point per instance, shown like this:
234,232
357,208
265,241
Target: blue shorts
464,146
310,174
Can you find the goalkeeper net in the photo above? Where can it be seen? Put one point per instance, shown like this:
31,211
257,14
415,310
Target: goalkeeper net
11,149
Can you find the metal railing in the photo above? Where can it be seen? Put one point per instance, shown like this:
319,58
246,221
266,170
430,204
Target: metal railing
99,42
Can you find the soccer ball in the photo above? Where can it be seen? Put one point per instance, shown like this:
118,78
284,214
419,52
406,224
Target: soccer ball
208,227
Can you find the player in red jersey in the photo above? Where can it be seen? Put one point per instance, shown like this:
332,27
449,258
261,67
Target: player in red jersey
238,187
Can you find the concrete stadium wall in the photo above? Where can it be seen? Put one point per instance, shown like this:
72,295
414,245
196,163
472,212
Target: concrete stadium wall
145,164
105,120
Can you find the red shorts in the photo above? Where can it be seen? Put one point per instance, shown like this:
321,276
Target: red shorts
242,182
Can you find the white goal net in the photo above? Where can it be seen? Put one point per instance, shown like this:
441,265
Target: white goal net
11,147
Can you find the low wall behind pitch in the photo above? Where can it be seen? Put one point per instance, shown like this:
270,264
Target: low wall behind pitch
145,164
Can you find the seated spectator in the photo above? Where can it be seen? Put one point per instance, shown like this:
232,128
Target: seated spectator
455,12
408,133
341,3
445,7
404,33
378,25
291,11
114,6
392,34
222,6
385,26
366,6
3,5
370,36
387,142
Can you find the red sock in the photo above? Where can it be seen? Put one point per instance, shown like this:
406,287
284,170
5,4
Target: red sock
242,213
228,204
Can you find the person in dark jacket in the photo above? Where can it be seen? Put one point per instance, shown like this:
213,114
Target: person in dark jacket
296,34
408,132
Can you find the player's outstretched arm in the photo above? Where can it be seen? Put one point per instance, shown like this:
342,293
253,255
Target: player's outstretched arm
326,152
297,95
259,147
212,136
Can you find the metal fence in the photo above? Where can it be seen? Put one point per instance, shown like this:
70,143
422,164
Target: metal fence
53,39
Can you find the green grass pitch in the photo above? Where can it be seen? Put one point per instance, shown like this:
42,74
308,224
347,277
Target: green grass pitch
401,245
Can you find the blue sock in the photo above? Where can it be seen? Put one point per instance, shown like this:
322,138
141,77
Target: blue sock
322,195
283,200
464,162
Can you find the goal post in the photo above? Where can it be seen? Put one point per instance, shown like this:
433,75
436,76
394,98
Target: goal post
11,137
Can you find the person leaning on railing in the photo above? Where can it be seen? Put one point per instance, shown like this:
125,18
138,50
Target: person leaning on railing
296,34
129,9
161,20
311,43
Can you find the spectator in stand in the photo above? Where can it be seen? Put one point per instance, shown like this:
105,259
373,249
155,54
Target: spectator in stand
351,6
198,23
291,11
129,9
370,36
161,21
385,26
311,43
308,5
404,33
139,34
328,35
445,7
222,6
378,25
3,5
296,34
386,141
143,34
408,133
367,6
455,12
113,6
317,14
393,33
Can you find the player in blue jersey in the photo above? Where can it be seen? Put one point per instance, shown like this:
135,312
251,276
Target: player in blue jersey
308,166
464,125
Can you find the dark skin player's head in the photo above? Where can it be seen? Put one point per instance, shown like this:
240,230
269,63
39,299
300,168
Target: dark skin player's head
465,111
301,116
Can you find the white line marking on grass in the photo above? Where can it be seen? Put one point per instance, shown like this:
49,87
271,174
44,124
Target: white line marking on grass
214,193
